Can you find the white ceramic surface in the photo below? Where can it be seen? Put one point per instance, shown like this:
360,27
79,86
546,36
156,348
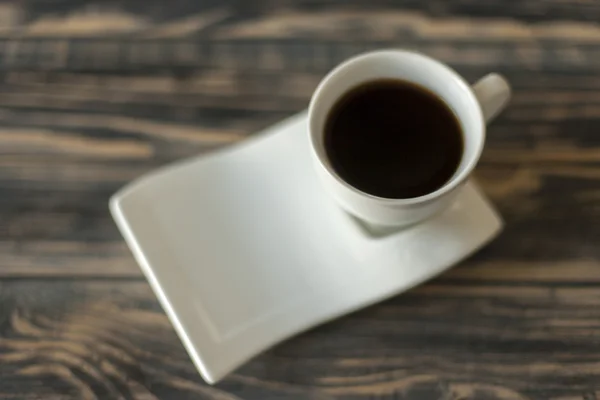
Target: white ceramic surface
473,106
244,248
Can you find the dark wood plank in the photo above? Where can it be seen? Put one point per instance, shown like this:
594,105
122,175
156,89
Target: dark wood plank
66,339
43,18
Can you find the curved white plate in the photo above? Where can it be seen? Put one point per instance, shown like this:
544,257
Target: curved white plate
244,249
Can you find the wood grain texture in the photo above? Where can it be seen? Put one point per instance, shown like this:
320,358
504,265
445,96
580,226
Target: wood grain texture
109,339
96,94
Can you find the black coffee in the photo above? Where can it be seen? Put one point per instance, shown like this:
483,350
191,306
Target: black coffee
393,139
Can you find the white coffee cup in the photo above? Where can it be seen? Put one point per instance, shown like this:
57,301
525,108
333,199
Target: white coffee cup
474,106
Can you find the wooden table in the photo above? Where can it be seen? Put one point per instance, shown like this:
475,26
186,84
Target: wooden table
94,96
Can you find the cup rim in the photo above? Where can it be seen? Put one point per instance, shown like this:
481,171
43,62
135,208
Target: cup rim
448,186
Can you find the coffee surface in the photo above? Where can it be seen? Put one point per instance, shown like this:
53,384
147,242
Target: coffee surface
393,139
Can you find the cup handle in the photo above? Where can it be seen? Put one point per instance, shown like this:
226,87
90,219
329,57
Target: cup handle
493,93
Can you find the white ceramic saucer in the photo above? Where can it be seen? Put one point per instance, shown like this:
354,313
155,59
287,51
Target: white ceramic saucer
244,248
